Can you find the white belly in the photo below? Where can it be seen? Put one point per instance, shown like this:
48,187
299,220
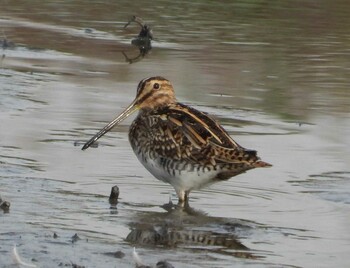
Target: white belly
185,179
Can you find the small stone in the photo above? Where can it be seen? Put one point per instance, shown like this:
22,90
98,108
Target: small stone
113,197
5,206
119,254
164,264
74,265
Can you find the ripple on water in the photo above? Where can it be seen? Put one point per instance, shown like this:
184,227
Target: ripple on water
332,186
13,162
19,88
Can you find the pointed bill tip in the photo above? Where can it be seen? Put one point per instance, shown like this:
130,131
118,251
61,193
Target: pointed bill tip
129,110
262,164
86,145
90,142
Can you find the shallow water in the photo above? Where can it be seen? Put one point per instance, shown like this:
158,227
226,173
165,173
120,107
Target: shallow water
276,75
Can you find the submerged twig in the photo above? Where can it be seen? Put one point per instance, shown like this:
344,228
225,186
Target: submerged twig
142,41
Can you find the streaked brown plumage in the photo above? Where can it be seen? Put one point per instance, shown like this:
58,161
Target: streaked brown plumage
179,144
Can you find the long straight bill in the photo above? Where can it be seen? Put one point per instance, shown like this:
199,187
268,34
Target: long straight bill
128,111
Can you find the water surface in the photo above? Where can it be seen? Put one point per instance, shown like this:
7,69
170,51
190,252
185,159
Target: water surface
274,74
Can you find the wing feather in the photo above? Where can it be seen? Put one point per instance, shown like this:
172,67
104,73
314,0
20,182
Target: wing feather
181,132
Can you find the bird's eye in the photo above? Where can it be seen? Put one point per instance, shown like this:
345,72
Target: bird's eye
156,86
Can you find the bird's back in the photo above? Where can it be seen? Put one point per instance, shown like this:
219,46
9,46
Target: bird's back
180,134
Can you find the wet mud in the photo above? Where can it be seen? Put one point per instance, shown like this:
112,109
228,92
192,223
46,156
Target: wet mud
274,74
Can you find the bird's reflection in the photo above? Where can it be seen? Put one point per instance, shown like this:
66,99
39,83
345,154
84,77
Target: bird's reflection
184,226
143,41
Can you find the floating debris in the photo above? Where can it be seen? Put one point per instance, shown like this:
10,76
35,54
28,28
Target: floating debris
146,31
18,260
75,238
5,43
142,41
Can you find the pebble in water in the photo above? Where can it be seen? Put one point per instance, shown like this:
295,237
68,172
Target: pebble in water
113,197
4,205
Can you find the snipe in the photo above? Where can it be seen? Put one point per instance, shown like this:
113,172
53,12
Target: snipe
179,144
